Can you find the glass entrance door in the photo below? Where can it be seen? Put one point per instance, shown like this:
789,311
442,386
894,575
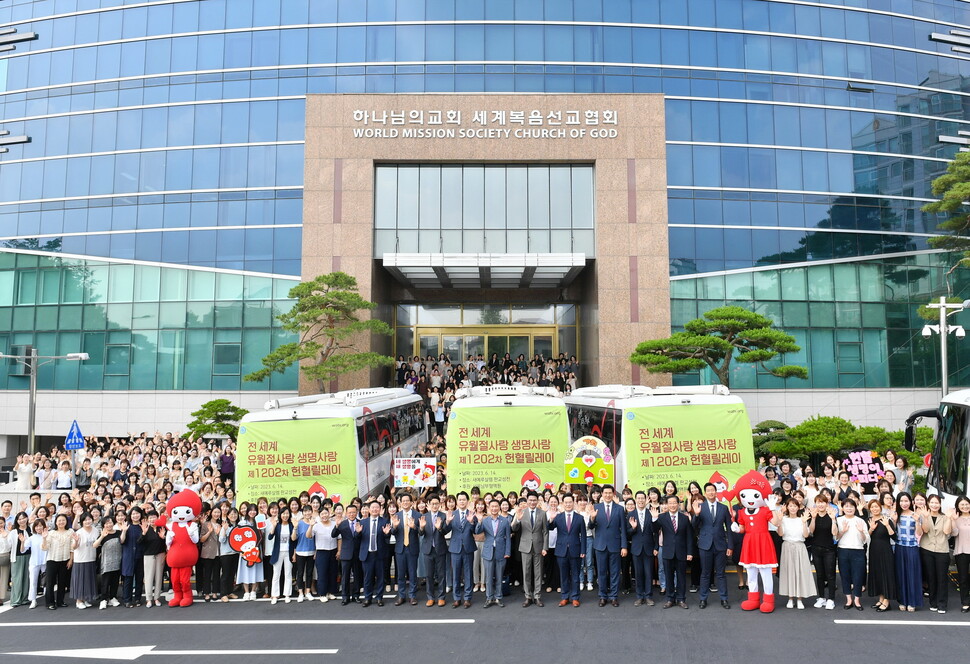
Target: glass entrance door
459,343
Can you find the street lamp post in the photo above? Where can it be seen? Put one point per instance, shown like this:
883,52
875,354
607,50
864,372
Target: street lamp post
31,363
943,329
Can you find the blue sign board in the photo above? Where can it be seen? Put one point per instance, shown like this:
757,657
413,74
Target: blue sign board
74,440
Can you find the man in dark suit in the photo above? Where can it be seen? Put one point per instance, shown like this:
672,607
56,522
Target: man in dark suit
349,530
643,548
496,550
678,550
570,549
712,520
407,548
461,523
374,536
434,547
533,546
609,544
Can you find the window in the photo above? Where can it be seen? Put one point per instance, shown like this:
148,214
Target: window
117,359
226,359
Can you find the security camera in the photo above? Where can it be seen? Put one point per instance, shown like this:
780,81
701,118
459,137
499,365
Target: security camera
959,332
927,332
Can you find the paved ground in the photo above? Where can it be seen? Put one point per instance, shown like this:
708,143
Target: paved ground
210,632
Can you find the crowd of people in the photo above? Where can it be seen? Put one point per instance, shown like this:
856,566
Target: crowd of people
90,533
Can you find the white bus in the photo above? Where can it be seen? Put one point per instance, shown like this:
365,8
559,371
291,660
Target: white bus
615,414
950,459
505,437
389,423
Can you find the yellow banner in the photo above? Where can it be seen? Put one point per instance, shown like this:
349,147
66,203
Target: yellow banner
700,442
282,458
506,447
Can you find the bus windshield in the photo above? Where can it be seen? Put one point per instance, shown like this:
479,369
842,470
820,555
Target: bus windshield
948,472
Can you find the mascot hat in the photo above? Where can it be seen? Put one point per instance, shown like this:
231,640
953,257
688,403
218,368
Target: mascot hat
750,480
185,498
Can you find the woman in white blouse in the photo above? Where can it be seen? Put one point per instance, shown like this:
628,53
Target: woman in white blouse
853,536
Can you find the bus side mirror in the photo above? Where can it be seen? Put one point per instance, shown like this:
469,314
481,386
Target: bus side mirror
909,437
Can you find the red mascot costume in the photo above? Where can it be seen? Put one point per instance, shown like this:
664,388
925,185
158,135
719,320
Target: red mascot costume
758,505
182,541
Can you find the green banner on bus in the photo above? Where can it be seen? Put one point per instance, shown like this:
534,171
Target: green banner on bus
282,458
700,442
506,447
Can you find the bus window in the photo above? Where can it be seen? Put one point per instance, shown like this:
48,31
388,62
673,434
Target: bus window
949,472
604,423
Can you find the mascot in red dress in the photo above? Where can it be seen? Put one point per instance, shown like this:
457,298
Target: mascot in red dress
758,508
182,541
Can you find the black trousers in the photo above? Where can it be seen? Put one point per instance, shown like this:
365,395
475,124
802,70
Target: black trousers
207,576
57,575
227,566
302,573
963,577
350,588
109,585
671,565
434,565
934,574
824,558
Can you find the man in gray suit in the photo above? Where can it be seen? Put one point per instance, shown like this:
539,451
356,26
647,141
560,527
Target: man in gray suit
496,549
533,545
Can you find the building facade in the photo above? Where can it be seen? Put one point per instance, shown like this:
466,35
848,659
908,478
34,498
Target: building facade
154,187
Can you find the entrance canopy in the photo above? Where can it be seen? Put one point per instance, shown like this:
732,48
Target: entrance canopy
485,270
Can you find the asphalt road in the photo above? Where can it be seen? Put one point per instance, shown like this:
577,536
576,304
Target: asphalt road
244,632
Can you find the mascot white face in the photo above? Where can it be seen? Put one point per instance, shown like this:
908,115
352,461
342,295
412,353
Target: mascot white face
751,498
182,514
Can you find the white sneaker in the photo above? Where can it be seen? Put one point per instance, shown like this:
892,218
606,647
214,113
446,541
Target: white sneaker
800,605
589,586
820,602
88,604
113,602
791,604
273,601
79,606
323,598
829,604
941,611
286,600
103,605
148,604
299,598
331,596
33,603
932,608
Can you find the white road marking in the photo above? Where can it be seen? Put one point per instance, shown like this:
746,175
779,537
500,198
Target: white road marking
898,623
182,623
130,653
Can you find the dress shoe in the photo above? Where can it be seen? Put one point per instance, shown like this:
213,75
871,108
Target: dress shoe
726,604
539,603
499,602
668,604
576,603
365,603
650,602
344,602
639,602
526,603
563,602
602,602
468,604
399,601
703,604
414,602
615,602
683,605
456,605
380,602
430,602
441,602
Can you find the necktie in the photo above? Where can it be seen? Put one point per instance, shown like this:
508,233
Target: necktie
407,531
607,512
713,513
532,517
673,518
373,535
434,517
569,521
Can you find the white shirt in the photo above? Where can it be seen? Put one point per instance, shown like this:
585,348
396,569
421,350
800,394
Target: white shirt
322,538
